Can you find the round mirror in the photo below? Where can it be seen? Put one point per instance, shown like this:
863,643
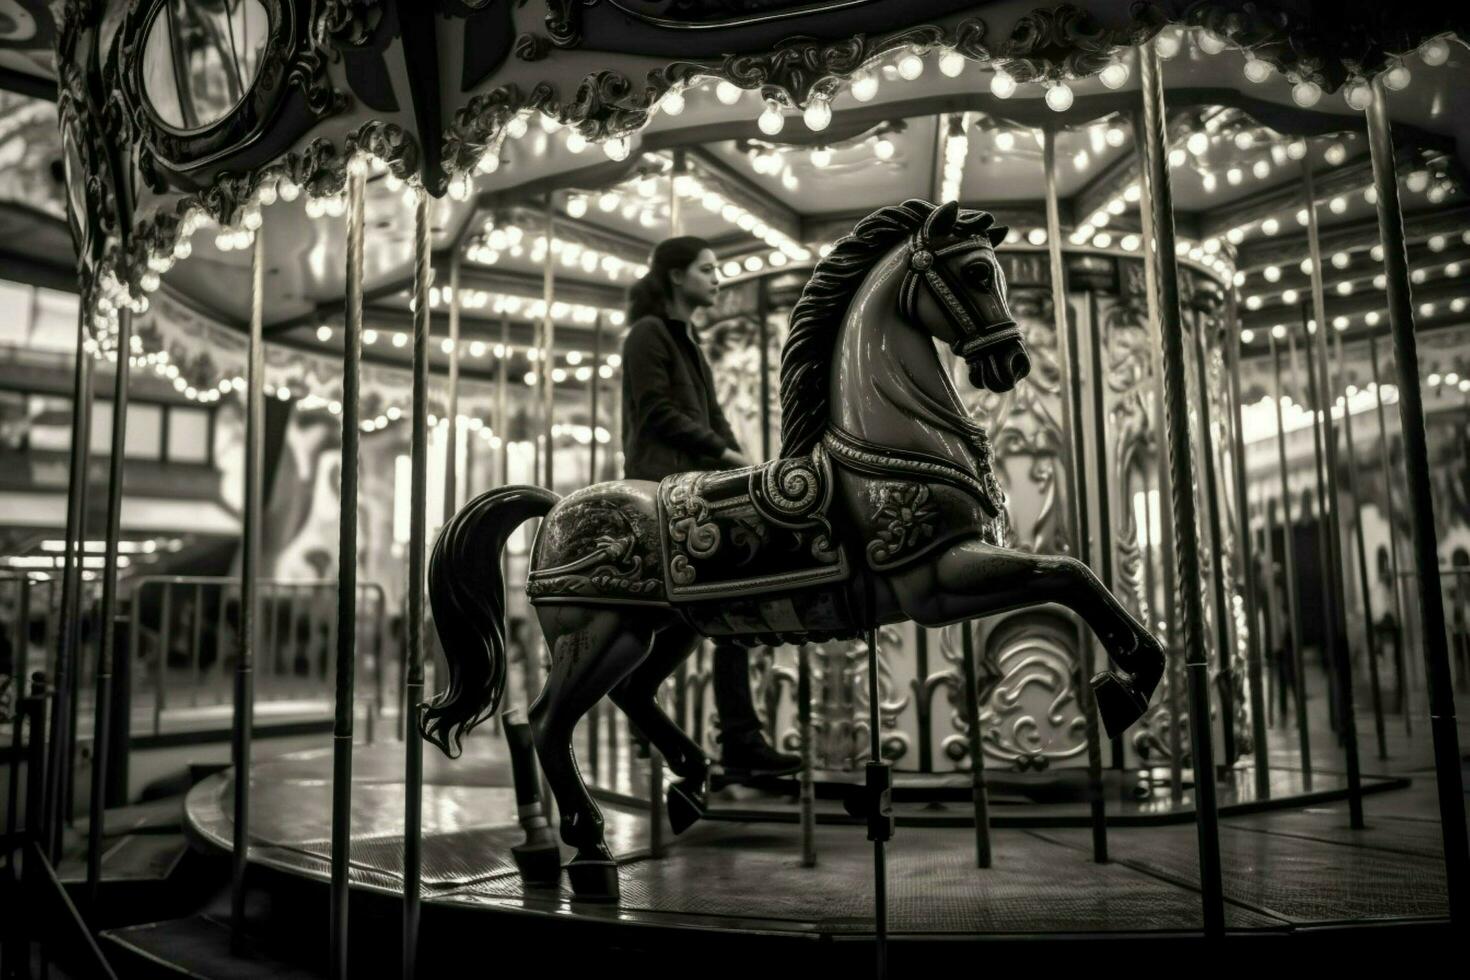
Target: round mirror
200,58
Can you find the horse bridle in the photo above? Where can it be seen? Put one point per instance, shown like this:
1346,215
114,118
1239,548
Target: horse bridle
979,321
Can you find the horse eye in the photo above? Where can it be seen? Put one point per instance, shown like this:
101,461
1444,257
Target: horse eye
981,274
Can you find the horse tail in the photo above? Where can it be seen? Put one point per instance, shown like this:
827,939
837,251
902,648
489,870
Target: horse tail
467,593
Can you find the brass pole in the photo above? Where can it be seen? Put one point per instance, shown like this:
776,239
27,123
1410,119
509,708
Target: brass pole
244,694
1340,652
347,577
414,629
107,620
1362,554
548,346
1075,455
1245,571
451,397
1393,540
1167,566
1447,763
1181,485
1291,630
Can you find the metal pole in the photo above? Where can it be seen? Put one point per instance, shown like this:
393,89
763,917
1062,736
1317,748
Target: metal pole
101,728
980,798
875,764
249,601
1294,613
1272,615
1211,489
1076,450
71,586
1362,549
1393,539
1245,571
451,397
808,756
1167,565
763,337
1181,484
414,633
502,405
347,575
1450,779
1105,556
923,698
594,383
548,347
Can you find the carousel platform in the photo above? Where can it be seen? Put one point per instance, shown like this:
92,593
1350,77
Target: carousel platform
733,886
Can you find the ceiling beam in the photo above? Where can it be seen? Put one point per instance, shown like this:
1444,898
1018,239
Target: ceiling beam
1360,273
1442,321
748,194
1354,305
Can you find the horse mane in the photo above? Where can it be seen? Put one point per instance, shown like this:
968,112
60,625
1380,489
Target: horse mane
819,314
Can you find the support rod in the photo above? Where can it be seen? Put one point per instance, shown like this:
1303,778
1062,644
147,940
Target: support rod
1076,455
347,576
451,394
1181,486
979,797
548,350
1447,764
1389,511
418,507
1291,634
107,620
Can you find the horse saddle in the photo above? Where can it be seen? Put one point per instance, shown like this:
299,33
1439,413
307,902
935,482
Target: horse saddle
733,534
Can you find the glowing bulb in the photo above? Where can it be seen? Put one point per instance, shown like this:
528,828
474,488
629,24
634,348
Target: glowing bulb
1210,43
1358,94
1059,97
1270,226
1435,52
864,85
818,115
576,206
1261,168
951,63
1115,75
1397,78
1115,137
617,148
1418,181
1272,273
576,142
672,102
821,157
324,333
1306,94
1256,70
1335,154
516,128
1177,157
883,148
1167,44
910,66
1197,144
1005,141
771,121
459,187
1234,176
1296,149
1002,85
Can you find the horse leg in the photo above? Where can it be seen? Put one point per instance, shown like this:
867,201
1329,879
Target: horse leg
973,578
591,650
537,857
637,694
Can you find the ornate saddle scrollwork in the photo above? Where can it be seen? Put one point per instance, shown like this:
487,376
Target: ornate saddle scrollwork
738,533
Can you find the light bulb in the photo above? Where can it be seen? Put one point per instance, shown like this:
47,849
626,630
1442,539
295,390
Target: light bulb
1296,149
864,85
1167,44
1002,85
1115,75
728,93
883,148
1435,52
910,66
459,187
1272,273
1059,97
1306,94
1256,70
1397,78
576,142
1234,176
576,206
1261,168
1005,141
1337,205
1418,181
817,115
516,128
673,102
821,157
1335,154
1209,42
617,148
1358,94
489,162
951,63
771,121
1115,137
1197,143
1177,157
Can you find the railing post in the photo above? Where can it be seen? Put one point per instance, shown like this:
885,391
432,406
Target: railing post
1448,773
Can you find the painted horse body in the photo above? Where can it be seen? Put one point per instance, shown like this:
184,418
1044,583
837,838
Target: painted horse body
882,507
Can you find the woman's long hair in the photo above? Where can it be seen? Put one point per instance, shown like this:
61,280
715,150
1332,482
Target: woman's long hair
650,295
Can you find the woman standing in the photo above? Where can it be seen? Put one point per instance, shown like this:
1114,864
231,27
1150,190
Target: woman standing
672,423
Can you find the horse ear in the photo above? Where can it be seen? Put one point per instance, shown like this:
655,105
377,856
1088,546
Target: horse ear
941,220
997,234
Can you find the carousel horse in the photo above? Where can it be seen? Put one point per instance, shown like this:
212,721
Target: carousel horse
882,507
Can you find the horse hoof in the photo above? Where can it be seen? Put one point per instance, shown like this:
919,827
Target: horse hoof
593,880
686,806
539,864
1118,703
